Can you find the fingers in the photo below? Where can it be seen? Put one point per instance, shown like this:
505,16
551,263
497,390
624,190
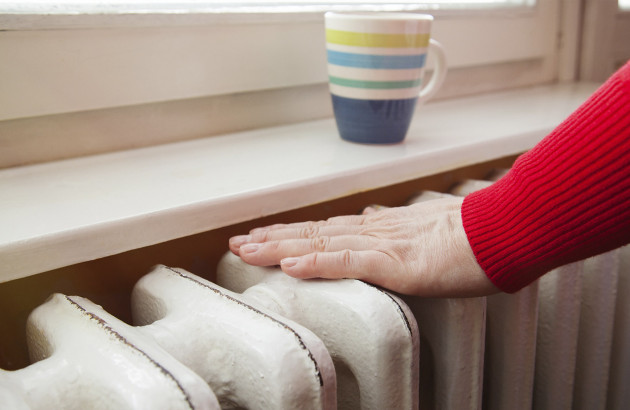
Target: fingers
372,266
272,252
303,232
328,265
333,265
344,225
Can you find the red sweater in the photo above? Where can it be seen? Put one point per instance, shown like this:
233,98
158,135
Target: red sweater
565,200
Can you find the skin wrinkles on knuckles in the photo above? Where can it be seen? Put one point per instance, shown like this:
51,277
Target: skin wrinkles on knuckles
347,260
310,231
320,243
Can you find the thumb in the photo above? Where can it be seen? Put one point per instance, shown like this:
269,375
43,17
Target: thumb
367,265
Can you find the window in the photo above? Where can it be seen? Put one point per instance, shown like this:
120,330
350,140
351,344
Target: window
60,61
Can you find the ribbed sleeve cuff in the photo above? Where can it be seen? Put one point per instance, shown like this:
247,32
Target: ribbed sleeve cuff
565,200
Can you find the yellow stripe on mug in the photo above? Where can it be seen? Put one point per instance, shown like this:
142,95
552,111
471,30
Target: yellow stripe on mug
350,38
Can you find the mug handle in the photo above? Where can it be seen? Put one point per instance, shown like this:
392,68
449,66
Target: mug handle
439,72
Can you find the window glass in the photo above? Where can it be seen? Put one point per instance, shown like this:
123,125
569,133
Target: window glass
87,6
624,4
153,51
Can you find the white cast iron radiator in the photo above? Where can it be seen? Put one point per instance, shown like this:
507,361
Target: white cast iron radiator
258,339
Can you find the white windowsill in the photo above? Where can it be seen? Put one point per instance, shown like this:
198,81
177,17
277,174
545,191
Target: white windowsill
66,212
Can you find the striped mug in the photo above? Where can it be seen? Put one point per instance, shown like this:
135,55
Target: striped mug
375,68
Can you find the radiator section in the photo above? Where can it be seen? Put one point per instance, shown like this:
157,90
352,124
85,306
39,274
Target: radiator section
453,345
597,316
239,349
556,343
85,358
618,395
510,337
371,334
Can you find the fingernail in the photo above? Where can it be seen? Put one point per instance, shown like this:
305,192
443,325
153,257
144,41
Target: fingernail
249,248
237,241
289,262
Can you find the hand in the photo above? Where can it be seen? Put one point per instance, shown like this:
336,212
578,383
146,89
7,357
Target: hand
420,249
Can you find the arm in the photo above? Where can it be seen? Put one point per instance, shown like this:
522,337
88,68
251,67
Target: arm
565,200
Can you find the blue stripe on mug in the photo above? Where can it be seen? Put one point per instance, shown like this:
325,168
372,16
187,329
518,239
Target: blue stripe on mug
395,62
